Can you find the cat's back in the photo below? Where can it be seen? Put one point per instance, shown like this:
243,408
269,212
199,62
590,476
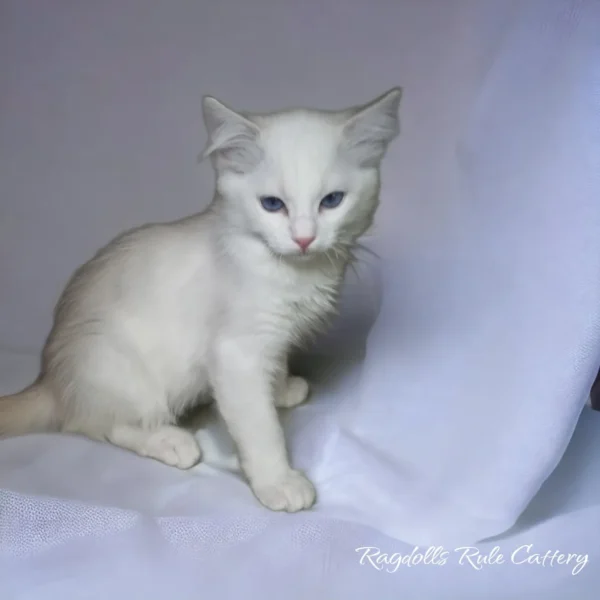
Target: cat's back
145,267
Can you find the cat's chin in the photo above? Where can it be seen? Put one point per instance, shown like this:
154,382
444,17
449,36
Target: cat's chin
304,257
298,257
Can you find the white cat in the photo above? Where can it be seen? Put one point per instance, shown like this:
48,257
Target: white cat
212,304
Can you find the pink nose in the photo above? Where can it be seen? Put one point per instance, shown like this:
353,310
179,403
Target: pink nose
304,242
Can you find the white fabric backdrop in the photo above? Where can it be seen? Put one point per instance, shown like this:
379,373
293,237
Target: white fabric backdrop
486,340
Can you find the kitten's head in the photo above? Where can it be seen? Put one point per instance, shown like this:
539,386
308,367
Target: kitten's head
304,182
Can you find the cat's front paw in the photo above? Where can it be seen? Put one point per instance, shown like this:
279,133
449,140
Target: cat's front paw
296,392
292,492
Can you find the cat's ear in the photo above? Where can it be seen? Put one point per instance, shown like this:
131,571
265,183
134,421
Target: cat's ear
232,138
370,129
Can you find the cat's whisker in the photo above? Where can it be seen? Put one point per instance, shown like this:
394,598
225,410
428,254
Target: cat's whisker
351,265
330,259
367,250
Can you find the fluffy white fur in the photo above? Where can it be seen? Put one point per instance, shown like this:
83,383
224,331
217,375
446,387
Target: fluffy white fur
211,305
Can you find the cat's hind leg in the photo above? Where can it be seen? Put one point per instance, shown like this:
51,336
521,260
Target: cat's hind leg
112,398
169,444
156,438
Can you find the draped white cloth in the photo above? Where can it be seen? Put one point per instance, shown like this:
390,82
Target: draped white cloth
485,306
488,338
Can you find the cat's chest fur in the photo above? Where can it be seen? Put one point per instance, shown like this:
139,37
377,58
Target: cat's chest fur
302,310
286,303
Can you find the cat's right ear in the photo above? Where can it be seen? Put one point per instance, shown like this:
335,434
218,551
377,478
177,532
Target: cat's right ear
371,128
233,140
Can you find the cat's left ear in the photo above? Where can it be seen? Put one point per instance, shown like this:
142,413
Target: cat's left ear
371,128
232,138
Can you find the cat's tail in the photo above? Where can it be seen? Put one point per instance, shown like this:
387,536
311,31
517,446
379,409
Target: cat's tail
34,410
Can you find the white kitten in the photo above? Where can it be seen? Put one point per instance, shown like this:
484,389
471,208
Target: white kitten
212,304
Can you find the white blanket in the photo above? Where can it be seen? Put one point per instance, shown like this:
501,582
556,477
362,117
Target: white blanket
487,300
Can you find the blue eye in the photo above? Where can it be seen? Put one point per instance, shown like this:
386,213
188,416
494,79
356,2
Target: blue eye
332,200
272,203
